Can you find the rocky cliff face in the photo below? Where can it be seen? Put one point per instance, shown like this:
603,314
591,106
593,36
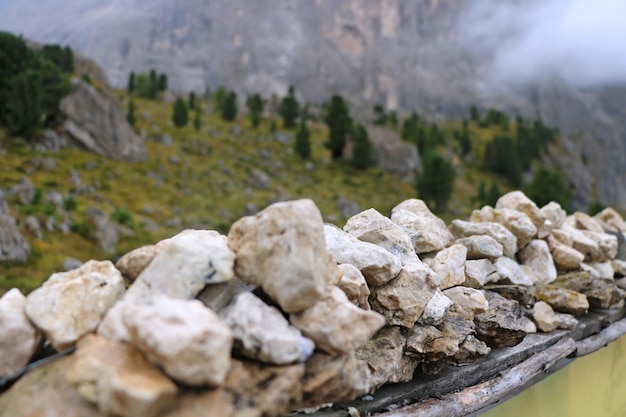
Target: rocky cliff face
405,55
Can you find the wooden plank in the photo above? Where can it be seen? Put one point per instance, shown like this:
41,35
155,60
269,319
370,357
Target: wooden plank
477,397
600,340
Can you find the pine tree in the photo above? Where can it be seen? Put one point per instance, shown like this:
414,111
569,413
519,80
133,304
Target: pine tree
163,82
289,109
219,97
153,84
362,153
130,115
229,107
302,144
255,108
131,82
192,101
436,182
24,108
197,120
380,118
180,116
339,123
548,185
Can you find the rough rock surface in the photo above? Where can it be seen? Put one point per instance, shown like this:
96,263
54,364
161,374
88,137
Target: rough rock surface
184,337
335,324
261,332
283,249
403,299
71,304
517,222
503,325
601,293
477,271
545,318
19,339
562,299
481,246
509,271
449,266
118,380
393,154
537,256
467,302
371,226
95,123
135,261
517,200
13,245
612,219
431,233
435,310
555,217
377,264
566,258
353,284
501,234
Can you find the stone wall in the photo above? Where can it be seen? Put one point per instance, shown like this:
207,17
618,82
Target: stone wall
287,312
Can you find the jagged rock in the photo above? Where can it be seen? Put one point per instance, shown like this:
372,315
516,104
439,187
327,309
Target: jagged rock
537,256
213,403
371,226
283,250
218,296
272,390
517,222
335,324
449,266
467,302
599,270
377,264
619,267
525,296
435,310
501,234
13,245
607,245
583,221
394,155
184,337
430,231
621,283
580,241
509,271
34,228
95,123
477,271
334,378
71,304
562,299
135,261
258,179
45,392
566,258
71,263
118,380
261,332
600,293
403,299
545,318
195,257
355,287
503,325
19,339
568,322
24,190
481,246
555,217
49,141
517,200
611,219
384,355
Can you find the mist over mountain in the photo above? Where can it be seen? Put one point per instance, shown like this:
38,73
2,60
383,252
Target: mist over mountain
556,60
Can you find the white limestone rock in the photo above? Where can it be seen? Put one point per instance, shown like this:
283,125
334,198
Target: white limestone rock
135,261
517,200
371,226
184,337
377,264
336,325
619,267
555,217
467,302
580,241
73,303
582,221
403,299
118,379
431,232
283,250
481,246
19,339
436,309
477,271
353,284
508,270
537,256
607,245
449,266
611,219
545,318
501,234
517,222
261,332
566,258
599,270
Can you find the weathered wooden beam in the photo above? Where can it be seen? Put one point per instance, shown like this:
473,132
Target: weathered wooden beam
479,396
600,340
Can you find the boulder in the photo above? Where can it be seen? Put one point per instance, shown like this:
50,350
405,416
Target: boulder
600,270
13,245
184,337
566,258
431,233
435,310
619,267
19,339
94,122
517,200
607,245
467,302
537,256
283,250
135,261
355,287
579,241
509,271
503,325
261,332
71,304
611,219
583,221
477,271
218,296
501,234
371,226
555,217
117,379
481,246
449,266
335,324
562,299
403,299
394,155
545,318
517,222
600,293
377,264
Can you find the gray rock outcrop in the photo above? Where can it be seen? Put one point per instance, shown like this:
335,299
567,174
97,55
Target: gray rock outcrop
13,245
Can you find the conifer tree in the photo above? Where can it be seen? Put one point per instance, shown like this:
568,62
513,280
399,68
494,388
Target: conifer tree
219,97
130,114
362,153
229,107
255,108
162,83
289,109
436,182
192,101
180,116
197,120
131,82
339,123
302,144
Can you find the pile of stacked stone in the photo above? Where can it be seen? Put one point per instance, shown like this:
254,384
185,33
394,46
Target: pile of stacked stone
287,312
